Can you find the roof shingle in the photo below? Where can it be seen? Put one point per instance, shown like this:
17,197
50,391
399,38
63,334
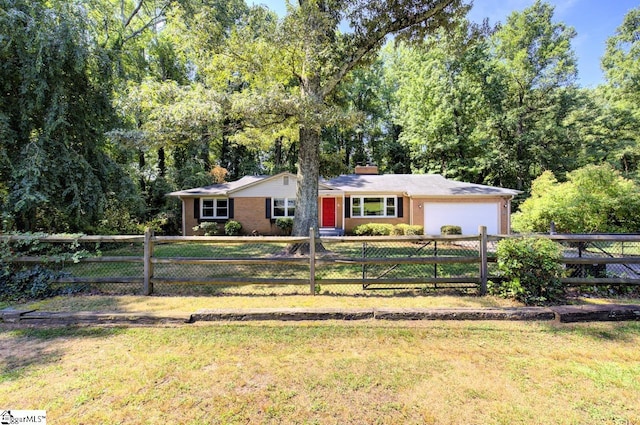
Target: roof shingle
412,184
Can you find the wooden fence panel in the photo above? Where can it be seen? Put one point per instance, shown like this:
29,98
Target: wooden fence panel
582,252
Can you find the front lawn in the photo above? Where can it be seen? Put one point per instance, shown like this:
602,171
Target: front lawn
327,373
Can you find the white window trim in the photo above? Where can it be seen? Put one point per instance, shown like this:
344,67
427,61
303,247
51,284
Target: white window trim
215,208
286,208
383,197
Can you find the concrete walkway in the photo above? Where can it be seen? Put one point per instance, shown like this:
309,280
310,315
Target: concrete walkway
562,314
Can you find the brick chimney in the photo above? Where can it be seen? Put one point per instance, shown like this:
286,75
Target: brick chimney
367,169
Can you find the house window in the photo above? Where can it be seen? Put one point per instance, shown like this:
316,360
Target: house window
371,206
214,208
284,207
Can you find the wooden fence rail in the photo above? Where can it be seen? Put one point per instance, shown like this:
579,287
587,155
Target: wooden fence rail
582,257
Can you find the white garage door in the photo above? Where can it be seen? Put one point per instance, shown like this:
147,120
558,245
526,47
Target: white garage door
469,216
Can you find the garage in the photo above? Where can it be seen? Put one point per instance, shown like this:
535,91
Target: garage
468,215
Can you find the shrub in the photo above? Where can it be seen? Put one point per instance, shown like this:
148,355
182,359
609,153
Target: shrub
285,224
117,221
232,228
407,230
373,229
165,223
450,230
20,282
209,228
28,283
531,270
594,199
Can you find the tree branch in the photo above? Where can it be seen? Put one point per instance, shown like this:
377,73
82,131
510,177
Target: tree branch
135,11
368,43
158,17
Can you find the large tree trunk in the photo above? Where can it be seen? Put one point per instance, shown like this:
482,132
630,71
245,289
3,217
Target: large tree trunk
307,190
306,217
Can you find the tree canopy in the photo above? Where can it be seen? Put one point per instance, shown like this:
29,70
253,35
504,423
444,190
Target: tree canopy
55,108
107,105
314,57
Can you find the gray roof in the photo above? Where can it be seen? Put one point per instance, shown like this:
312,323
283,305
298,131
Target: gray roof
411,184
222,189
414,185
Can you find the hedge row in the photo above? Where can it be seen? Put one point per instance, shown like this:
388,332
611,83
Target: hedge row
380,229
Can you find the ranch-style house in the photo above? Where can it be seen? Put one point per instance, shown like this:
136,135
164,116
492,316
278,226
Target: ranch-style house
344,202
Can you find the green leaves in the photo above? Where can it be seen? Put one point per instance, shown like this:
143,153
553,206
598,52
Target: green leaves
441,101
536,50
594,199
537,69
530,270
56,108
487,105
621,61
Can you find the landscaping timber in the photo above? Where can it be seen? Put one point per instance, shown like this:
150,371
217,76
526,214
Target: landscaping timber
561,314
596,313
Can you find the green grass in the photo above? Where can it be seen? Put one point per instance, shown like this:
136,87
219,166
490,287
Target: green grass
327,373
227,250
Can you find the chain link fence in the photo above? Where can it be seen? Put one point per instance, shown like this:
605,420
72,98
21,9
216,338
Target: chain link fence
602,260
106,266
268,266
396,265
75,263
345,266
249,267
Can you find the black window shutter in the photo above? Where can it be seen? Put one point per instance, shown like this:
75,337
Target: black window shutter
347,207
267,207
400,201
196,208
231,208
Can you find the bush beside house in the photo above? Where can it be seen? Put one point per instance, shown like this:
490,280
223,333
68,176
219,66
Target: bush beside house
451,230
208,228
232,228
384,229
594,199
285,225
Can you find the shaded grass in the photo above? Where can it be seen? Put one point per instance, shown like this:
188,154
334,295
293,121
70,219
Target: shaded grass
328,373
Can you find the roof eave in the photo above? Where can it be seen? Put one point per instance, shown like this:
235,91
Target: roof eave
463,195
260,181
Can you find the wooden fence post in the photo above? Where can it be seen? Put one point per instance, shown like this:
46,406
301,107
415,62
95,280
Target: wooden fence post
147,288
312,260
484,269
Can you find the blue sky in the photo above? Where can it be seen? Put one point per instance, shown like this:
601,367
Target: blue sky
593,20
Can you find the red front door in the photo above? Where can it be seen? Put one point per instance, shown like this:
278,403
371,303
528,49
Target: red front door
328,212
